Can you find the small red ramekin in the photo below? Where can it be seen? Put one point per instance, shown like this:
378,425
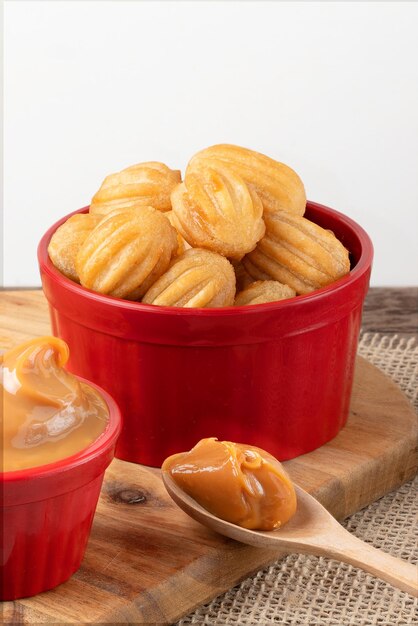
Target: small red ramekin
47,512
276,375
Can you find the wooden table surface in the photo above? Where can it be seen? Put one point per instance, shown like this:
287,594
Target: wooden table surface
139,574
391,311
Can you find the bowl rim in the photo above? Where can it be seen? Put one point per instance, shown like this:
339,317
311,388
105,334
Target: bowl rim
362,266
94,450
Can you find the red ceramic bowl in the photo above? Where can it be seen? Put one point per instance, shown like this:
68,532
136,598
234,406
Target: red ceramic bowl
47,512
276,375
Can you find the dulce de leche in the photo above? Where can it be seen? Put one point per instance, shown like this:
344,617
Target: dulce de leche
46,413
239,483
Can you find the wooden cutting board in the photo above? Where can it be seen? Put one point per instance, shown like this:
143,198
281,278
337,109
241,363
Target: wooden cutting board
147,562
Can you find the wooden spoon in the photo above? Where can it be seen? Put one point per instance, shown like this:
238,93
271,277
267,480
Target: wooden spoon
312,530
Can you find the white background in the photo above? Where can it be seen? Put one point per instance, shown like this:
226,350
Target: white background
329,88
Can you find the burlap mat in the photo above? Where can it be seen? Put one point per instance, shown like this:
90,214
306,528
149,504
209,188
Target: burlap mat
305,591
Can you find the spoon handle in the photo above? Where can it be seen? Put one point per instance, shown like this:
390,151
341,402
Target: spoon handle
345,547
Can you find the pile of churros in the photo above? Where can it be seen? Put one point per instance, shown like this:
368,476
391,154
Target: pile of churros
232,232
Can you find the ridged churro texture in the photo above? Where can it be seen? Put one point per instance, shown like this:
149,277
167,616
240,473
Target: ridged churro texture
262,291
144,184
127,252
215,209
197,278
182,243
278,186
67,241
298,253
243,278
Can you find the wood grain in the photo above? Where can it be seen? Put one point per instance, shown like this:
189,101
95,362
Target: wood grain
147,562
391,311
312,530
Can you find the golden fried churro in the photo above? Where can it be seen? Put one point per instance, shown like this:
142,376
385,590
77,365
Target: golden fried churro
182,243
144,184
264,291
278,186
197,278
126,252
67,241
298,253
215,209
243,278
